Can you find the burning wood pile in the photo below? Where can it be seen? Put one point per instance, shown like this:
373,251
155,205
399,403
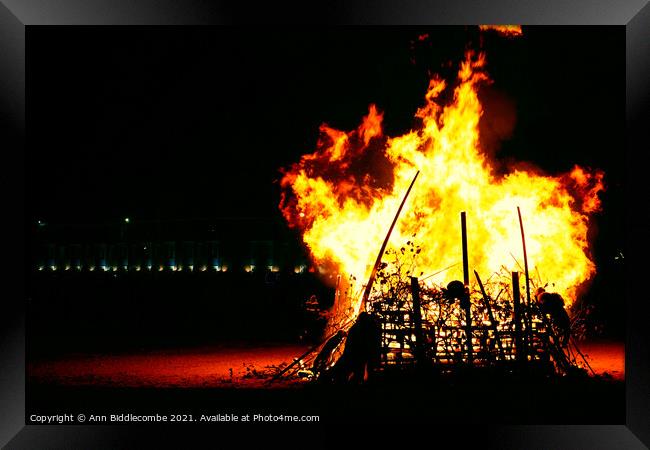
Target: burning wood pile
461,324
426,326
344,196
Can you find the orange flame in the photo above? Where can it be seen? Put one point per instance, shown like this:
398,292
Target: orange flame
344,195
505,30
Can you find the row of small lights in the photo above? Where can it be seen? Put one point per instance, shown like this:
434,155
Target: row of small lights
248,268
40,223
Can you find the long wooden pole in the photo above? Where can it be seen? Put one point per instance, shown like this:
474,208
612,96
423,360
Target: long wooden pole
417,323
493,322
517,307
373,274
463,226
527,315
307,353
523,243
466,301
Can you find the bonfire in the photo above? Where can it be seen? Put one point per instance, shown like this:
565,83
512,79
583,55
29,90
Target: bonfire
358,185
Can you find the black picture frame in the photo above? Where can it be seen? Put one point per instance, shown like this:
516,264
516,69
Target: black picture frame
17,15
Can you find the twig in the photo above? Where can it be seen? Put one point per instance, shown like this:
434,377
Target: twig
438,272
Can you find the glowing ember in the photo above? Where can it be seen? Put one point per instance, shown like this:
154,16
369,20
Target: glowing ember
505,30
344,195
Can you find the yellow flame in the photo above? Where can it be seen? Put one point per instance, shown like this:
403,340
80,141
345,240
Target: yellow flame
344,204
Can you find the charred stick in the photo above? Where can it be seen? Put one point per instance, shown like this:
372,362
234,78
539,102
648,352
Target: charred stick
465,302
527,315
581,355
417,322
373,274
307,353
517,306
490,315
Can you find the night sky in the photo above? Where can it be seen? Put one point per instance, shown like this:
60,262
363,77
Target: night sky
177,123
